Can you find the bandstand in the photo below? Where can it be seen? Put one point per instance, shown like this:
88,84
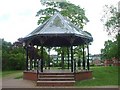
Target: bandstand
57,31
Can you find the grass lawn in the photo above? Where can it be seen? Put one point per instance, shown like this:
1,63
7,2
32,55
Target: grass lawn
18,73
0,74
102,76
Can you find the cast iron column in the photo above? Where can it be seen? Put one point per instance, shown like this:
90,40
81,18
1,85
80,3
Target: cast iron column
83,58
68,57
62,57
71,58
88,64
49,58
27,58
41,58
74,65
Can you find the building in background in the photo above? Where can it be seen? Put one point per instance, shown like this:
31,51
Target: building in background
96,60
112,62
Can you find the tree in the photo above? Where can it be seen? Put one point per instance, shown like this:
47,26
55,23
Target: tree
13,57
111,21
62,51
74,13
110,50
78,53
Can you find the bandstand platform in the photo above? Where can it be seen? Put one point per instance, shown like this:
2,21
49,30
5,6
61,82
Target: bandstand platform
57,77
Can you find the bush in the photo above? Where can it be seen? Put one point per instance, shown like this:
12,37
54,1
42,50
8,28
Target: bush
13,58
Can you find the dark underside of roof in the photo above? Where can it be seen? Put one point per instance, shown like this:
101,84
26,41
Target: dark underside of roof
52,40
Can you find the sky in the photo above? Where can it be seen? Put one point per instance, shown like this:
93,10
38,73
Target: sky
17,19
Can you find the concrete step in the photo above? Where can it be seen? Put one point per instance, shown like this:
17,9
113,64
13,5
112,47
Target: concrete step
55,83
56,73
57,79
55,76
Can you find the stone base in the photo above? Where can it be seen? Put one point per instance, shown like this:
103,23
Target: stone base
83,75
30,75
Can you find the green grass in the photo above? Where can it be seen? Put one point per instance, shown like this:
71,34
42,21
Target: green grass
7,73
103,76
19,77
0,74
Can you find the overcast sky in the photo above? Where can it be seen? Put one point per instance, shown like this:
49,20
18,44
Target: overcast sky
17,19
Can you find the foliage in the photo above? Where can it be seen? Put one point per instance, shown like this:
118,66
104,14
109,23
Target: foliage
46,58
111,19
13,58
62,51
78,52
110,50
74,13
118,42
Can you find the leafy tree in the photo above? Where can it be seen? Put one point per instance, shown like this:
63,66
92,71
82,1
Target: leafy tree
13,58
79,54
74,13
62,51
111,21
110,50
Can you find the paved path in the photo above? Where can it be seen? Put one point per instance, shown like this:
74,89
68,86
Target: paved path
0,83
11,82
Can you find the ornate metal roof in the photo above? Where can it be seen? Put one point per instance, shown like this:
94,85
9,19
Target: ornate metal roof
58,31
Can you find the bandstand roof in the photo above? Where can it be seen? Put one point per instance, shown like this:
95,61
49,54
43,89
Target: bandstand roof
58,31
